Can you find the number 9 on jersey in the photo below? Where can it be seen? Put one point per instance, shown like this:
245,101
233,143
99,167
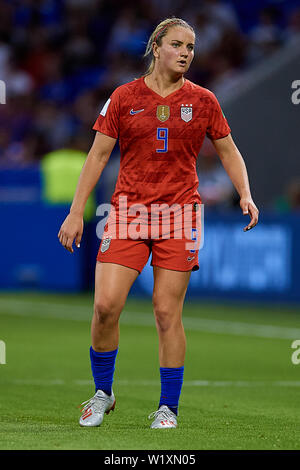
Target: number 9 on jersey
162,134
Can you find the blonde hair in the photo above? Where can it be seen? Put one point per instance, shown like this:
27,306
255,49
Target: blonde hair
157,35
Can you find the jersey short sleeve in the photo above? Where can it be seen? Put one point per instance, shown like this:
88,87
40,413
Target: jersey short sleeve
218,126
108,120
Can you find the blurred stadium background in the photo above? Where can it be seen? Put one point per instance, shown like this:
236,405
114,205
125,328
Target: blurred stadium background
61,59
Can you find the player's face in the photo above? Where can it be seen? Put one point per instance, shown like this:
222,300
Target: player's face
177,50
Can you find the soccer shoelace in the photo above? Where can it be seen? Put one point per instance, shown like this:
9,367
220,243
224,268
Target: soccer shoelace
96,403
162,415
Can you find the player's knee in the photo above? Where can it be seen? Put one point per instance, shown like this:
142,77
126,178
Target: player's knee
107,311
165,319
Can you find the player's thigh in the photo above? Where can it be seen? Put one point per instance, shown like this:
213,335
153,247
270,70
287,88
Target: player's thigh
112,285
169,290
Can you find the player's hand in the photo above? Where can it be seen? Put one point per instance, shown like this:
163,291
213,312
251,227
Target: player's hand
71,229
248,207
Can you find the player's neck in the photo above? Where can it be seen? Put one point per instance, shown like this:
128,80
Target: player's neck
164,84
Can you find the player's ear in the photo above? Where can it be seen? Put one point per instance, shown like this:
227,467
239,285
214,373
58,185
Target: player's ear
155,50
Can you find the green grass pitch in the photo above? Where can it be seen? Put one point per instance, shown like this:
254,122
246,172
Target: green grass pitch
241,389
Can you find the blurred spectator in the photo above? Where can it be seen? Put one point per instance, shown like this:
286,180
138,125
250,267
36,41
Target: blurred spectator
167,8
293,28
266,36
226,77
129,34
60,173
18,81
20,154
227,63
54,124
43,63
61,59
222,13
5,52
208,33
290,200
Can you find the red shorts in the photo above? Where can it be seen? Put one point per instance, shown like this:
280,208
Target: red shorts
174,253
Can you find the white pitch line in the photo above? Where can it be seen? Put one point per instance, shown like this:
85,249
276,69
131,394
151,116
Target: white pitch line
63,311
202,383
156,383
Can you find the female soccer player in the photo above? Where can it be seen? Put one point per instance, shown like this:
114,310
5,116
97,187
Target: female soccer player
161,120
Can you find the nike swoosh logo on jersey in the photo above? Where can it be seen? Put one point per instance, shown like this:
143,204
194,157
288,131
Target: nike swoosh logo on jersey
132,112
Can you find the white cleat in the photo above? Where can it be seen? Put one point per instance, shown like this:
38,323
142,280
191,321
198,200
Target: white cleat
93,409
164,418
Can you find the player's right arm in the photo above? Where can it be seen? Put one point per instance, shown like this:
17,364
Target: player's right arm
94,164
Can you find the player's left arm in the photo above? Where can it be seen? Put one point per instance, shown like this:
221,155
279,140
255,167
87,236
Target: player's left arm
235,167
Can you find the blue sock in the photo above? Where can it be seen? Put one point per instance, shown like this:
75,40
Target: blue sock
171,379
103,367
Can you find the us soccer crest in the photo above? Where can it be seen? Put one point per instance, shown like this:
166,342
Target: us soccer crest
186,112
105,244
163,113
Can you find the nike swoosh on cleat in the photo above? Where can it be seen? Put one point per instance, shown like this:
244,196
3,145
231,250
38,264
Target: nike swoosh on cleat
132,112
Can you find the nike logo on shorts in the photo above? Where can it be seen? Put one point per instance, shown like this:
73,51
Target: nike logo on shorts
132,112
